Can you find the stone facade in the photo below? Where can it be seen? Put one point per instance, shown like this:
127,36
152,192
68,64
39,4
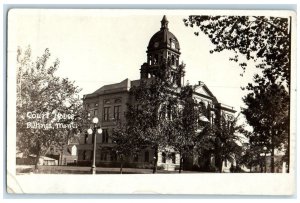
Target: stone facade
109,104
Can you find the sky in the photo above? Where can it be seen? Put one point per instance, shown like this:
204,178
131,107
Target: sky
99,47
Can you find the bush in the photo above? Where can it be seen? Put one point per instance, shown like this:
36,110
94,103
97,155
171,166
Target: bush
236,169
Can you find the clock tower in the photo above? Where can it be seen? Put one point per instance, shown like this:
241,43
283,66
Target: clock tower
163,54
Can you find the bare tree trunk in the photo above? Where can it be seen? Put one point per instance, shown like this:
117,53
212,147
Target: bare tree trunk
180,162
218,162
121,165
155,159
261,168
36,166
121,168
272,160
61,157
38,147
272,153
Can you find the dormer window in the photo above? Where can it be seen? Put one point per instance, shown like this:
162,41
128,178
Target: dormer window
172,44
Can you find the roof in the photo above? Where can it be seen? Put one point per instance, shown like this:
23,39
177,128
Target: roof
124,85
163,38
47,158
202,89
116,86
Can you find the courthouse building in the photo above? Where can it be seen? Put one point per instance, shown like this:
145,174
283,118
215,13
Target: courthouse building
109,104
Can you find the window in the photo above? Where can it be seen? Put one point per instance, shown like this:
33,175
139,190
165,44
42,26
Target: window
118,100
86,136
173,158
103,156
106,114
150,60
155,59
136,158
163,157
146,156
173,60
113,156
105,136
116,112
95,112
84,155
213,119
74,150
106,101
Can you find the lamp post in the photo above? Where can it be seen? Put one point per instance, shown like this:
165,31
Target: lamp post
265,150
93,133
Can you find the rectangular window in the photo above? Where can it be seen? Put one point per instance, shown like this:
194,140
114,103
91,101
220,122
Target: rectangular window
84,157
113,156
116,112
86,137
105,136
95,112
106,113
103,156
136,158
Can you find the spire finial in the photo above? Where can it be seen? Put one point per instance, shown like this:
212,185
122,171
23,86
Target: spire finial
164,23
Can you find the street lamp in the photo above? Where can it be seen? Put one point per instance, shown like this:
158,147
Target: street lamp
93,133
265,150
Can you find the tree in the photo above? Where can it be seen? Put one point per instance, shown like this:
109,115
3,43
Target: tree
268,113
253,154
256,37
186,125
126,142
227,141
47,105
267,42
153,103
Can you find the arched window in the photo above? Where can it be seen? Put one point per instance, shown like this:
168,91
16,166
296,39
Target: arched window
74,150
146,156
150,60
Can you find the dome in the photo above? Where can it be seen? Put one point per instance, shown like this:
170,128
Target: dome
164,38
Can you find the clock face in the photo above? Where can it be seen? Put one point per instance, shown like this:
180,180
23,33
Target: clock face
156,44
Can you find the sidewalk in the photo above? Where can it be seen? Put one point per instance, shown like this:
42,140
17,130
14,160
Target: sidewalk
87,170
